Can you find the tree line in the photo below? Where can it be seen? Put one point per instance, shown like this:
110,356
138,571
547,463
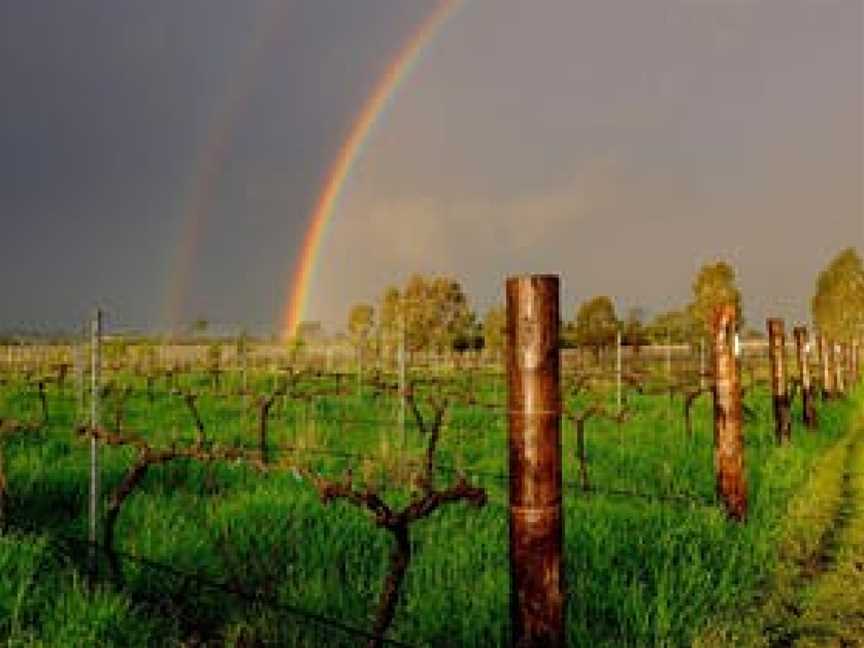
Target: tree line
434,314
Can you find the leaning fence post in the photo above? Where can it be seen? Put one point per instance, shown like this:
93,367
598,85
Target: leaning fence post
802,348
728,437
779,391
534,418
95,365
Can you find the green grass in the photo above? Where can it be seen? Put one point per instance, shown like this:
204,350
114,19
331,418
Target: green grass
639,572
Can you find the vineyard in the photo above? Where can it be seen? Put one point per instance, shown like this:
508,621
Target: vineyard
291,502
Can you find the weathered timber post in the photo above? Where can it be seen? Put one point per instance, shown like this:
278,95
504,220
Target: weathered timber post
728,436
827,373
534,417
779,391
839,382
264,405
802,348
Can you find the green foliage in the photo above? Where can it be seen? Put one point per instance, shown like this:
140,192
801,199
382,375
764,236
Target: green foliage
838,302
361,324
434,312
634,331
640,571
714,285
494,329
675,326
596,323
44,602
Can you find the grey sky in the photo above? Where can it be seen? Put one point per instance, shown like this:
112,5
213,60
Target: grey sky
619,143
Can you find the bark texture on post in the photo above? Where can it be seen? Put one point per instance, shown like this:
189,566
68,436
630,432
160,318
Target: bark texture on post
837,361
802,348
779,392
728,436
534,405
827,372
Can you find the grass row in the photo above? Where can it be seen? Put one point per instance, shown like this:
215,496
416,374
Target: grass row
638,571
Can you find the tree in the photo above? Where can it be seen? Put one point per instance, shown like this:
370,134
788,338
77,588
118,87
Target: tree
361,323
596,323
494,329
838,302
714,285
677,326
633,329
434,312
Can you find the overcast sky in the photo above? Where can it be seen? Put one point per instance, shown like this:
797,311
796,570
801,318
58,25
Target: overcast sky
619,143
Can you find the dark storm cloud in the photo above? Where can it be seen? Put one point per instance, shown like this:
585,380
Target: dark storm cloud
618,142
105,109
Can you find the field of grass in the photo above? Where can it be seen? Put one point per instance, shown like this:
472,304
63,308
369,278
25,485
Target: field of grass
650,558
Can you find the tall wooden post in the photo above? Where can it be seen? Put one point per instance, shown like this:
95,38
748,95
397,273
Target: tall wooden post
839,378
728,436
779,392
802,348
827,371
534,406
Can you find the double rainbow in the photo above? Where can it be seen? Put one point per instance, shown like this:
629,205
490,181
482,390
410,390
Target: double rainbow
348,154
201,190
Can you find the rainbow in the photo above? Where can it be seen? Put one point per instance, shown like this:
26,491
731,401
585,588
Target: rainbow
348,154
200,192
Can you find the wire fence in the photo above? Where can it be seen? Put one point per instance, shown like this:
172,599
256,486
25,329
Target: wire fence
309,398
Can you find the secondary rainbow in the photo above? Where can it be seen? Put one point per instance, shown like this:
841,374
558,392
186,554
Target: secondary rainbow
201,189
348,153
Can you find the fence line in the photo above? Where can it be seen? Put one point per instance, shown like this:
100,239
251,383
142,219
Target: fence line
252,597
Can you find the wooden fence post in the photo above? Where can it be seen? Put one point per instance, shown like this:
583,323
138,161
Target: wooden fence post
802,347
534,418
839,378
728,436
827,373
779,390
